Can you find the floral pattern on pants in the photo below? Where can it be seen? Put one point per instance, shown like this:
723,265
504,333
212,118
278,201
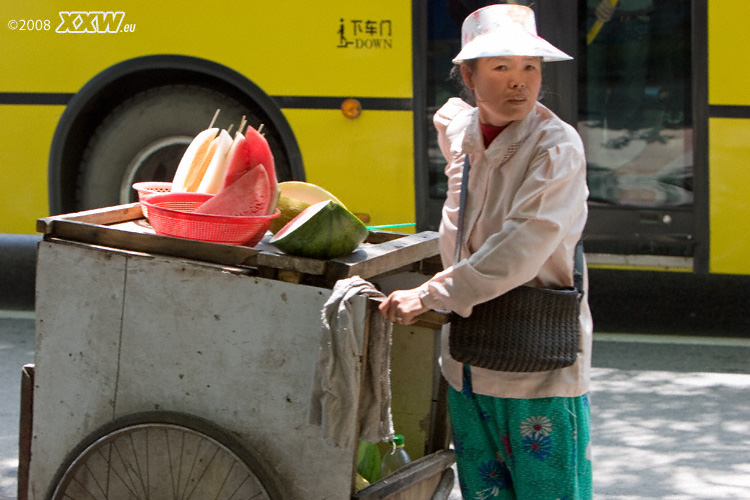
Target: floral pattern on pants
520,449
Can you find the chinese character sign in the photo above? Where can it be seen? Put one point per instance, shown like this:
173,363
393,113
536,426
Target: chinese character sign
365,34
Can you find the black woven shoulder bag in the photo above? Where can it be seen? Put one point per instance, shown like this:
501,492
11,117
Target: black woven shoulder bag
527,329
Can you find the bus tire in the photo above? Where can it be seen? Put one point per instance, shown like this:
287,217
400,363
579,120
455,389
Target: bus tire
144,138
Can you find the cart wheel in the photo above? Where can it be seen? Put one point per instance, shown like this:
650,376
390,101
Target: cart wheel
160,455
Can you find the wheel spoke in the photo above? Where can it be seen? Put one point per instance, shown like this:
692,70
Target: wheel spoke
202,474
158,461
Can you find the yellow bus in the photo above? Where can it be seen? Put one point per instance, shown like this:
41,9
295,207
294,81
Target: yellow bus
92,101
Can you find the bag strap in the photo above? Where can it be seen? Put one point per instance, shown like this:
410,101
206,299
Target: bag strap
578,267
461,209
578,258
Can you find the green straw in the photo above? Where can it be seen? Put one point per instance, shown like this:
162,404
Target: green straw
389,226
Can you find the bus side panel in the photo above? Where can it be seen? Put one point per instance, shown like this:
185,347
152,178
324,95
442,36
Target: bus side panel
287,47
24,149
729,172
728,41
365,162
729,192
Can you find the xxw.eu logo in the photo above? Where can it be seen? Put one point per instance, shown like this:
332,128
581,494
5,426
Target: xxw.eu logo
91,22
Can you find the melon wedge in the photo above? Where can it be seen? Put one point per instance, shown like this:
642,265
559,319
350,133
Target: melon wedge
193,157
248,195
214,176
294,197
214,159
251,151
324,230
307,192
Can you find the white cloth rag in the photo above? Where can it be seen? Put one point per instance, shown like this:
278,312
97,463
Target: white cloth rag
336,404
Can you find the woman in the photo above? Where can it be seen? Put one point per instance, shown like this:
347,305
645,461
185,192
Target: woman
516,435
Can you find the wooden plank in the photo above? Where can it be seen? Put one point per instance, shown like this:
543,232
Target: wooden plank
274,258
424,468
445,486
372,260
25,430
124,239
123,227
101,216
377,237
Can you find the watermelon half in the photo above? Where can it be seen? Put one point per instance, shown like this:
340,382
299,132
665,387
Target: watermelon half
324,230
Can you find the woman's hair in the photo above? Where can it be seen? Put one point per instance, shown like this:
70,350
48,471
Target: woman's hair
457,79
465,92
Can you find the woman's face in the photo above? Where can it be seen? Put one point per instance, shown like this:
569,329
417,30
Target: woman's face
505,88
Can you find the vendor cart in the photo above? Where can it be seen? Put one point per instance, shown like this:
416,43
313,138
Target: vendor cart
168,368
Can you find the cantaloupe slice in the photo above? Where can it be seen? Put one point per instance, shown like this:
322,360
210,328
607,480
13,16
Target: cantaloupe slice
216,154
294,197
195,154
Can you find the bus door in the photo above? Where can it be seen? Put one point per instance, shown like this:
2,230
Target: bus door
635,118
628,93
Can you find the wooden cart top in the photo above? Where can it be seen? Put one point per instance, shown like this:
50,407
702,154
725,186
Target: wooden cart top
124,227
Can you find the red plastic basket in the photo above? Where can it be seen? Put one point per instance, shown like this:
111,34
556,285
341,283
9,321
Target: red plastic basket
170,215
150,188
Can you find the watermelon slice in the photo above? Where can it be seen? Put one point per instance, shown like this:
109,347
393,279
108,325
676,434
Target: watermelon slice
251,151
324,230
250,194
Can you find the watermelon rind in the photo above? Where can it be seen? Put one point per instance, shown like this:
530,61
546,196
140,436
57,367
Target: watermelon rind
324,230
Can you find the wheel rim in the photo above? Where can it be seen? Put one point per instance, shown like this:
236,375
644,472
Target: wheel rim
156,162
158,460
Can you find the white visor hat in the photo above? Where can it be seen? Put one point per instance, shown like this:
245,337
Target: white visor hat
504,30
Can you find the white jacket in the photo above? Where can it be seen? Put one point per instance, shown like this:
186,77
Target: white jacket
525,212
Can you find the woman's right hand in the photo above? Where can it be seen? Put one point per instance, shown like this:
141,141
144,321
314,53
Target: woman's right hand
403,306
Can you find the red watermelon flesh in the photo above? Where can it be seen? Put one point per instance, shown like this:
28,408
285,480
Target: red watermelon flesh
250,194
252,151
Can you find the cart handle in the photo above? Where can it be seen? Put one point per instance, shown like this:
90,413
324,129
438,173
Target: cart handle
434,319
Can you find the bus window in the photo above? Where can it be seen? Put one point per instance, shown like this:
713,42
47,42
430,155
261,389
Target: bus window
635,102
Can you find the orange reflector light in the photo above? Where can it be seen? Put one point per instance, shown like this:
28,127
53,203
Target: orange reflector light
365,218
351,108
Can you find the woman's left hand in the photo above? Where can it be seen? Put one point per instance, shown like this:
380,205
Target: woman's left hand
403,306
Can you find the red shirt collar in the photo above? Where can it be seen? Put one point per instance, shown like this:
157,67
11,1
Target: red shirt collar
489,132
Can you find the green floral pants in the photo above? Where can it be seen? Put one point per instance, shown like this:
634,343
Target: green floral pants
520,449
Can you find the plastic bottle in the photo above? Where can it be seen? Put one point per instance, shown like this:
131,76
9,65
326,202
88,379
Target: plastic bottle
395,458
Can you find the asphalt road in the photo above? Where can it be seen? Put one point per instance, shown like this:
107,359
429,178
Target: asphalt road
669,387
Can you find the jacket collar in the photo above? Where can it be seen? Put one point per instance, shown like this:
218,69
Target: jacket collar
465,134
